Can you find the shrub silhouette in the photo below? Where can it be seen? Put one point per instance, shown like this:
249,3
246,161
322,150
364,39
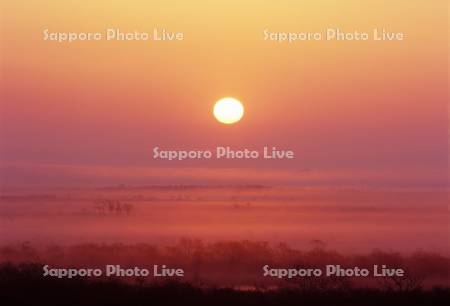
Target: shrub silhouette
238,264
24,285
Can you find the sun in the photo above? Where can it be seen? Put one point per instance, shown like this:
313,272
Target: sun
228,110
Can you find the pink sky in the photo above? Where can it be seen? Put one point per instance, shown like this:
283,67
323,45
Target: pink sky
344,108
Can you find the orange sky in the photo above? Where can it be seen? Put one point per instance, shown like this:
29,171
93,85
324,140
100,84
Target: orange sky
343,107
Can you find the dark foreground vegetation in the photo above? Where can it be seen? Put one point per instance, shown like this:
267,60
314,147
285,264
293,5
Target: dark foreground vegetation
24,285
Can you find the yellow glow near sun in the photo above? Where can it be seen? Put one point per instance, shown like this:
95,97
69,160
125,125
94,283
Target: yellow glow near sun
228,110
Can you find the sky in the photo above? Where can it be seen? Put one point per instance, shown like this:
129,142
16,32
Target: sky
353,112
